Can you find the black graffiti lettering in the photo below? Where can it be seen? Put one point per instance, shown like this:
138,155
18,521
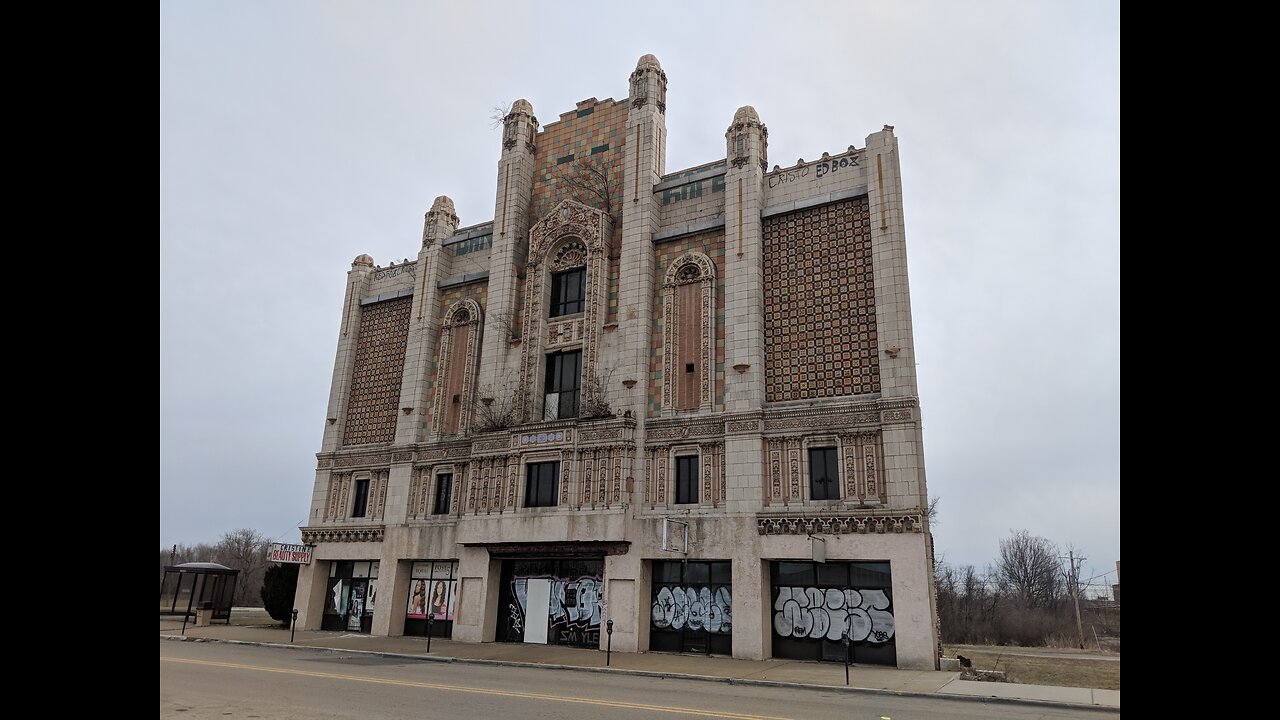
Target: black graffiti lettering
817,613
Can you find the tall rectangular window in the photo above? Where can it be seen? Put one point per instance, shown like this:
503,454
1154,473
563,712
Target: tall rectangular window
824,474
687,480
540,484
444,487
566,292
562,385
361,504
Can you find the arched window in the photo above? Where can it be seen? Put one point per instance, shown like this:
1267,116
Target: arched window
565,294
456,368
688,333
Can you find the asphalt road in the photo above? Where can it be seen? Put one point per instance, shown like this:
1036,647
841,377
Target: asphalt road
217,680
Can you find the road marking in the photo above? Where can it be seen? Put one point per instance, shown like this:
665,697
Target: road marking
479,691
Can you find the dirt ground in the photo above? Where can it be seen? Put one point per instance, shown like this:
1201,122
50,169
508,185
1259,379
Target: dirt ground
1045,666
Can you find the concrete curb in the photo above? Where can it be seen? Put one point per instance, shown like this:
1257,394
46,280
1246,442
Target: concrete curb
662,675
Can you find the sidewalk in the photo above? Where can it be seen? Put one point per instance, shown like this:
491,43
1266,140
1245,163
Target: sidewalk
258,628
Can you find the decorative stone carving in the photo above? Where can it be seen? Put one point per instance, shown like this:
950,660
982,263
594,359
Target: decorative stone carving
344,461
569,230
819,421
839,524
315,536
570,255
677,432
491,444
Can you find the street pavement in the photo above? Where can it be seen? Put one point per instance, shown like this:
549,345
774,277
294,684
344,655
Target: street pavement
223,680
253,626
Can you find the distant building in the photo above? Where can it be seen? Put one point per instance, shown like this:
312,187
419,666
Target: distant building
523,415
1115,589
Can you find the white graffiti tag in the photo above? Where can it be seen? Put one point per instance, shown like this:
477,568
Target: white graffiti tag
697,608
810,612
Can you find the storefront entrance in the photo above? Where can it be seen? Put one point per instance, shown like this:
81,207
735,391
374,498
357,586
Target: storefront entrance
352,593
692,608
433,592
551,602
815,604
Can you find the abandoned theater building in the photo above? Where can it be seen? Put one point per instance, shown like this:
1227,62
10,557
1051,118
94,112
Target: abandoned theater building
684,402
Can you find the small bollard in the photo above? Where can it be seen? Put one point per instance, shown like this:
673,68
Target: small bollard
430,617
608,653
293,625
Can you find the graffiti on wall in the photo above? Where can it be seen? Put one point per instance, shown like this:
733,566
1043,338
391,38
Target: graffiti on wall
817,613
697,608
801,172
573,611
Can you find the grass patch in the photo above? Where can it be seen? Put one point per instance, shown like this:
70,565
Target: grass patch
1083,672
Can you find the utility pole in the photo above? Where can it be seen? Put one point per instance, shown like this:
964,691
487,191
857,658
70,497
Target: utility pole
1075,592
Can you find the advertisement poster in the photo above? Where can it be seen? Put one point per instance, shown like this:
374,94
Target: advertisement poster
373,595
439,606
417,599
357,606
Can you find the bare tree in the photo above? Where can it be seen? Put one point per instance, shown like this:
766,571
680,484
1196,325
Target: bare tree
505,322
498,113
595,394
1028,568
497,408
592,182
244,550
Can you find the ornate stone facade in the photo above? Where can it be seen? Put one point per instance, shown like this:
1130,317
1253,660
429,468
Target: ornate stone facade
746,379
819,312
376,376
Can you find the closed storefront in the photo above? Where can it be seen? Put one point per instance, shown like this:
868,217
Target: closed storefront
352,595
433,593
692,607
816,604
551,601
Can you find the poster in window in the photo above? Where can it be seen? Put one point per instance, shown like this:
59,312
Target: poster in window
336,602
417,600
373,595
357,606
453,597
439,605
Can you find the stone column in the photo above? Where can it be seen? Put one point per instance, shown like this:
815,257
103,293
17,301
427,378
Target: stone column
439,225
358,279
499,368
746,143
309,597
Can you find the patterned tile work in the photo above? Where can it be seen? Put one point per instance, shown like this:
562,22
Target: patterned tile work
476,291
578,133
710,244
375,379
819,304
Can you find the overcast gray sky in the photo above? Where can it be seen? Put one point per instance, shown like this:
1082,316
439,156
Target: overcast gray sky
297,135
